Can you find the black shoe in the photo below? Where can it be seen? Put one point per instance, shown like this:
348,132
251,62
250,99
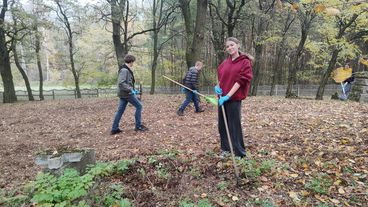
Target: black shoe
180,113
200,110
142,128
115,131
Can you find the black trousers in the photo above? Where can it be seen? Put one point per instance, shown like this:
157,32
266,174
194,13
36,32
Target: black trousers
233,117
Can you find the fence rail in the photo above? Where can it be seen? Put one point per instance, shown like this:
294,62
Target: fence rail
264,90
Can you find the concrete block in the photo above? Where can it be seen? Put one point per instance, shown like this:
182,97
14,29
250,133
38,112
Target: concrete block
363,98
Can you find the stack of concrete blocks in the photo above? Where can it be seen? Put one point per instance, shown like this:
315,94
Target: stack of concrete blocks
360,88
56,164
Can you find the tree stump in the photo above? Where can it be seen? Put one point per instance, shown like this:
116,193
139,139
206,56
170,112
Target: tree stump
56,162
359,91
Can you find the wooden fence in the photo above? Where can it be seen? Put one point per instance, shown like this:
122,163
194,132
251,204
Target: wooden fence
56,94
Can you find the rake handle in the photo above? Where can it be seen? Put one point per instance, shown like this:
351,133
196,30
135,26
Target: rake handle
231,145
184,86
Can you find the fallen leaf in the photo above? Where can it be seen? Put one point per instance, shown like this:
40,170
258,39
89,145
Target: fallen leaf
293,195
263,178
320,198
235,198
294,175
335,201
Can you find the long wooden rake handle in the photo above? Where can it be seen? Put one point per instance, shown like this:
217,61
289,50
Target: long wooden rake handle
183,86
231,146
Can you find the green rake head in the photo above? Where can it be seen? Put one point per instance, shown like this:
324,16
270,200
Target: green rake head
212,100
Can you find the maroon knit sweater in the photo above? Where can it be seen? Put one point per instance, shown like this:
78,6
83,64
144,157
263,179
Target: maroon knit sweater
235,71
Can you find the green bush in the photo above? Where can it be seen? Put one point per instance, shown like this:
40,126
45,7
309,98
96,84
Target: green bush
63,190
114,197
70,189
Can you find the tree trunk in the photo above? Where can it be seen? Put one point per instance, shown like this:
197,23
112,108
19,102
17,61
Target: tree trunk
276,69
326,75
23,73
5,69
200,27
294,67
185,10
218,35
256,69
116,8
261,27
74,71
155,49
39,66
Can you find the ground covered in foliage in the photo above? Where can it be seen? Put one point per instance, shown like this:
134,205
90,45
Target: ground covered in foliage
300,152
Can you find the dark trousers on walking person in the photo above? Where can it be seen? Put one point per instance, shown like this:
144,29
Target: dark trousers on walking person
190,96
233,113
121,108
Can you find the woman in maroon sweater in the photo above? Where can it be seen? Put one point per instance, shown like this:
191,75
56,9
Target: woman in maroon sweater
234,76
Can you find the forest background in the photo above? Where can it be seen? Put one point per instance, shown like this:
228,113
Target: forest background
70,43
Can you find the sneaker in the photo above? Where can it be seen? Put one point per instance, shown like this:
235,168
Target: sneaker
115,131
224,154
200,110
180,113
142,128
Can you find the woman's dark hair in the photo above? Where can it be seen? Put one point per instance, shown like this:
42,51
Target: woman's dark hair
129,58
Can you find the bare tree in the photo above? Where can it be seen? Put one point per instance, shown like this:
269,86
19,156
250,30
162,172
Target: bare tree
66,16
120,19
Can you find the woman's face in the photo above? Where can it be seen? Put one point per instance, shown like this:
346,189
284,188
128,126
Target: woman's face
231,47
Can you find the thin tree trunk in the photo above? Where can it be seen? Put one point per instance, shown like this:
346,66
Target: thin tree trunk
23,73
74,71
185,10
155,49
331,65
295,65
256,69
39,66
69,34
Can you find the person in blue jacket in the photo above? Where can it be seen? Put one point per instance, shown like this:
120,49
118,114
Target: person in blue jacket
191,81
127,94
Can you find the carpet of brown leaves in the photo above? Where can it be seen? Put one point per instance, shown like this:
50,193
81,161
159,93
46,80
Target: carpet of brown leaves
305,138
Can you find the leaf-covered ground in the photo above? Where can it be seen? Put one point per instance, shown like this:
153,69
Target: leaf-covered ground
301,152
